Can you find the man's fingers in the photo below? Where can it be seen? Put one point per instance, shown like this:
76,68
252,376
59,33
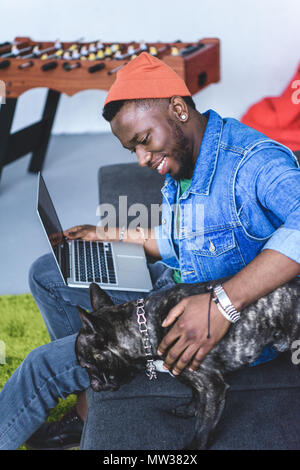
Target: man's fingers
74,229
199,357
174,313
184,359
167,341
174,353
73,232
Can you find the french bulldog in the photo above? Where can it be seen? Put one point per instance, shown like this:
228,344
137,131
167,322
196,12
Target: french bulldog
110,346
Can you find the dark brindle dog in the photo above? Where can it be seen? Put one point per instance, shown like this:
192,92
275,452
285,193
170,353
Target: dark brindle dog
110,345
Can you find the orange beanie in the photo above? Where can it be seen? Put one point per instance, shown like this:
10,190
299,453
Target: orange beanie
146,77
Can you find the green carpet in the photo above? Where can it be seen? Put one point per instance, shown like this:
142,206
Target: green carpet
21,330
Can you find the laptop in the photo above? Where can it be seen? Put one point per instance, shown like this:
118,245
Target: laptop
112,265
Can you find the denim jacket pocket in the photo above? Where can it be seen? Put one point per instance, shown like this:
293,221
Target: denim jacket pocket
219,255
258,223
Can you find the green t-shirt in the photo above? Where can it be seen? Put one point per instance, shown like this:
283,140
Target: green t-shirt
184,185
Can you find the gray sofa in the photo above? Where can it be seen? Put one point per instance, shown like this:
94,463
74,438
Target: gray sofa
263,403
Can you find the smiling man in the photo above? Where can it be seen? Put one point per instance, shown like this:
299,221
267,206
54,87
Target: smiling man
249,189
172,151
241,178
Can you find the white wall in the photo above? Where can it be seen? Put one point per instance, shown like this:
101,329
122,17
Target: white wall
260,42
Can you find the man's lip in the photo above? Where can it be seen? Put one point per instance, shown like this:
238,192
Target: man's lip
157,162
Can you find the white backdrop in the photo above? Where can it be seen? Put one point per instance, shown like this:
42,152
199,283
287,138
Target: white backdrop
260,50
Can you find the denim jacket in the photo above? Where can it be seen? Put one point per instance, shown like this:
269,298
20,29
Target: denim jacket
244,198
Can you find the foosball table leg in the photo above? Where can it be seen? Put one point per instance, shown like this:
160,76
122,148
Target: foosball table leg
39,154
7,111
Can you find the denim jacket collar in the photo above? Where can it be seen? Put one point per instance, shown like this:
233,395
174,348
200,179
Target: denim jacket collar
207,158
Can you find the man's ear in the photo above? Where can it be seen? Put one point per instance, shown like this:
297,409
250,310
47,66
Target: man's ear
179,108
99,298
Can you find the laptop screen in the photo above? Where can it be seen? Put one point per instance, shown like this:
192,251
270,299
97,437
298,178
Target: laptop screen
51,224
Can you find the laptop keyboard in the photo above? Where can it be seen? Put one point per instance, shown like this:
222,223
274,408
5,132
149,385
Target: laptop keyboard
94,262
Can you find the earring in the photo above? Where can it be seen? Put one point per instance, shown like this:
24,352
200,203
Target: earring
183,117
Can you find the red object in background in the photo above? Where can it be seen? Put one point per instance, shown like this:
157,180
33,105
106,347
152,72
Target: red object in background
278,117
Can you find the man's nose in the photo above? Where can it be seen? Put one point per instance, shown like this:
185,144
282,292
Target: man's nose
143,157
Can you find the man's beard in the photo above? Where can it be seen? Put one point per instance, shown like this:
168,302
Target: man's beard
181,153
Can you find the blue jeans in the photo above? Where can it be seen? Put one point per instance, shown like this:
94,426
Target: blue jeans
52,371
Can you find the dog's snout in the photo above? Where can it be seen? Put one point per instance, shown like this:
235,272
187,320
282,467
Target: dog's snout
103,383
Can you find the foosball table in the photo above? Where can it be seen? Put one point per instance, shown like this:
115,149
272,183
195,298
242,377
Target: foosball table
65,67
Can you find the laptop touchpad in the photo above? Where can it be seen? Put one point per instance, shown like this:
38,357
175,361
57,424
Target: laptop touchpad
129,250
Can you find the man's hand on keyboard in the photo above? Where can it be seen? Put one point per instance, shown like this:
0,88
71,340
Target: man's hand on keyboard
83,232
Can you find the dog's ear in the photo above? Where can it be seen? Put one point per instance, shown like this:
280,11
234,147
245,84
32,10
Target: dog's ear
99,298
87,320
91,324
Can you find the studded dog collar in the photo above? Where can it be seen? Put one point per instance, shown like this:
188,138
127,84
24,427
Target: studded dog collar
143,328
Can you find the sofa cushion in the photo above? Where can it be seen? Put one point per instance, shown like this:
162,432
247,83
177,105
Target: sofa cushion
140,185
259,414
